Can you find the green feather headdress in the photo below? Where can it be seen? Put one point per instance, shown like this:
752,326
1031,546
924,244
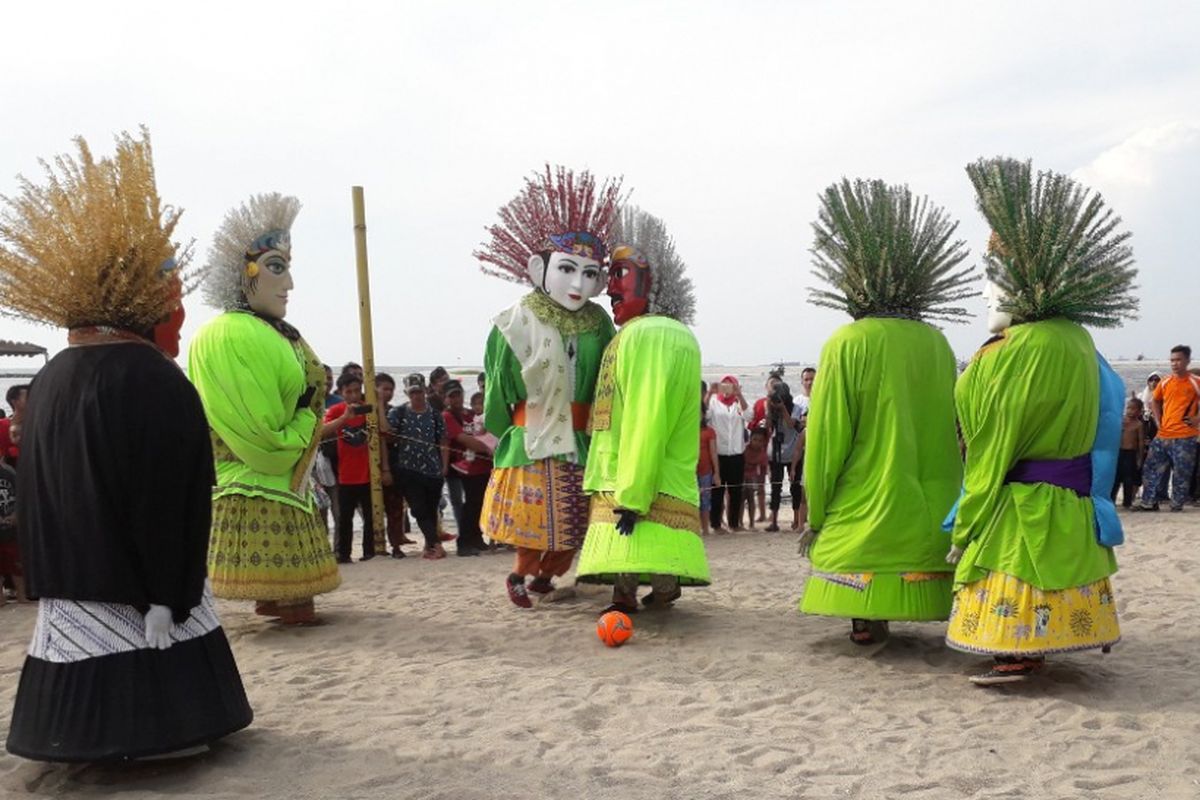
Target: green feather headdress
884,252
1056,250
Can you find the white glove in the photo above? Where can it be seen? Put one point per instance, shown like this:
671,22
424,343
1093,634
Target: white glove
954,555
158,627
806,541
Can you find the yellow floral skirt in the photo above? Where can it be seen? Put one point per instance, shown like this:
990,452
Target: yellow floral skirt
540,506
264,550
1004,616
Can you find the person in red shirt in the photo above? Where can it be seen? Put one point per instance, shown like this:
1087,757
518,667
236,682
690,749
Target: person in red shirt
706,473
471,462
354,475
10,427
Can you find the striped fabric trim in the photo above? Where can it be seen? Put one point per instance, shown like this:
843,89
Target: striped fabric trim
75,630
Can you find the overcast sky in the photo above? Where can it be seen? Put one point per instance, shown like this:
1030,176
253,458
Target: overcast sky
725,119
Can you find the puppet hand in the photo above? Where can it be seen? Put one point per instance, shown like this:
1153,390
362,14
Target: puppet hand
158,627
806,542
626,520
955,555
306,398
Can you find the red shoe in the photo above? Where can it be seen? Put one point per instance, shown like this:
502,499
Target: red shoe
541,585
433,553
443,536
517,592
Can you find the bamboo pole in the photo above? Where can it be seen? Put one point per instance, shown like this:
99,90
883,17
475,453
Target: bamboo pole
378,516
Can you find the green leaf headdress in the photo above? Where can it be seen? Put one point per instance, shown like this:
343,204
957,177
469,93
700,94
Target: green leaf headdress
886,253
1055,250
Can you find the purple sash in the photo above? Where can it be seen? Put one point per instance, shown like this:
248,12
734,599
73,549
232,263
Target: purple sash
1066,473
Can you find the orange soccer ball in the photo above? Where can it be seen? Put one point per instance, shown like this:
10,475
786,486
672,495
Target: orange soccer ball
614,628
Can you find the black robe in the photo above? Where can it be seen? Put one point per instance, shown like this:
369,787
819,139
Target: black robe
115,505
117,468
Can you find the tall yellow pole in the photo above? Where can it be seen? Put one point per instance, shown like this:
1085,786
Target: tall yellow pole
368,358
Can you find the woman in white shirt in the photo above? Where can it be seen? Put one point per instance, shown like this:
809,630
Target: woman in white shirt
727,410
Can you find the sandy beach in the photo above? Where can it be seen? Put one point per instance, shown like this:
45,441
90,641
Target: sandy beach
426,683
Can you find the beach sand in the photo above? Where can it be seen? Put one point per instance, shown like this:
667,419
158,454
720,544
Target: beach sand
426,683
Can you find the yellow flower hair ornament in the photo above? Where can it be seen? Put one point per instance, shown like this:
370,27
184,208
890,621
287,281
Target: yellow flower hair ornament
252,269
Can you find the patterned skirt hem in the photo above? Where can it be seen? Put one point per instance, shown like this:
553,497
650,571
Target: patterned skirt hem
1045,651
272,590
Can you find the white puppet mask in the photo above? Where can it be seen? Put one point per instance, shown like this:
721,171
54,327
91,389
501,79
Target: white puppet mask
997,320
570,279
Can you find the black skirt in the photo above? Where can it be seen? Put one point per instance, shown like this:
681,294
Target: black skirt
132,704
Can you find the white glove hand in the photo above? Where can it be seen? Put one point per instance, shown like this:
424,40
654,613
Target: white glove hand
806,542
158,627
954,555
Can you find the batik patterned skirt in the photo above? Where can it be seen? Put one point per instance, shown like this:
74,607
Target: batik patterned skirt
92,688
1004,616
541,506
264,550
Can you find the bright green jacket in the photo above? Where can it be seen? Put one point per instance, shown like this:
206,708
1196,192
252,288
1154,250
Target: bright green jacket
881,461
250,378
646,424
588,331
1034,393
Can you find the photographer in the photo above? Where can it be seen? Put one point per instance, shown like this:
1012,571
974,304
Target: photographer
353,470
785,431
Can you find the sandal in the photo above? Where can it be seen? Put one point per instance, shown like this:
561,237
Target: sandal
652,599
867,632
624,608
1008,671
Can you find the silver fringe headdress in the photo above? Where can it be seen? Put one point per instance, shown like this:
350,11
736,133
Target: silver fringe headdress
264,223
671,292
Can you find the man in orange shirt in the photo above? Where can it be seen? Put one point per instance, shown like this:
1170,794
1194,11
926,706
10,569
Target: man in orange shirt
1176,410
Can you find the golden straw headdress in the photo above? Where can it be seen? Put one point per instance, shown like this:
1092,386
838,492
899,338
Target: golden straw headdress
92,245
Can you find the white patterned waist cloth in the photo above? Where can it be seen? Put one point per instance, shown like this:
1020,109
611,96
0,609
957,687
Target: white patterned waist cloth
75,630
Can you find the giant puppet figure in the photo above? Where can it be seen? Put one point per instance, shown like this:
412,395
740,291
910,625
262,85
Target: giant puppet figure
881,459
128,658
1040,412
542,358
262,388
641,472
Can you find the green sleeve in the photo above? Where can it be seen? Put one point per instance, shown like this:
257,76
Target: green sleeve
830,431
991,406
647,363
504,384
237,371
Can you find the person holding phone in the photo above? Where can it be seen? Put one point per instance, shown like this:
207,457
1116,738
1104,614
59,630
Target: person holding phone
353,471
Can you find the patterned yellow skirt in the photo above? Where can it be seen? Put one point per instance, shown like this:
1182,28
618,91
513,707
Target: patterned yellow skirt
1004,616
264,550
540,506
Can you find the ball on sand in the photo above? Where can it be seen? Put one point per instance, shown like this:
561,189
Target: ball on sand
614,628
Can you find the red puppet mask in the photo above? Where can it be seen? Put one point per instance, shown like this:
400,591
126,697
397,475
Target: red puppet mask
166,333
629,284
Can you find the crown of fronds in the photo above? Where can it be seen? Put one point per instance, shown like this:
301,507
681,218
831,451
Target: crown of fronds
224,274
671,292
1056,251
88,247
552,201
885,253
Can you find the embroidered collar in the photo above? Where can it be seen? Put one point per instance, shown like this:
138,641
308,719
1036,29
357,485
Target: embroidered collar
569,323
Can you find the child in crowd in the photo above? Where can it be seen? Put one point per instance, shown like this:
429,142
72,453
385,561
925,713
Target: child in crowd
755,475
1133,452
706,473
10,556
